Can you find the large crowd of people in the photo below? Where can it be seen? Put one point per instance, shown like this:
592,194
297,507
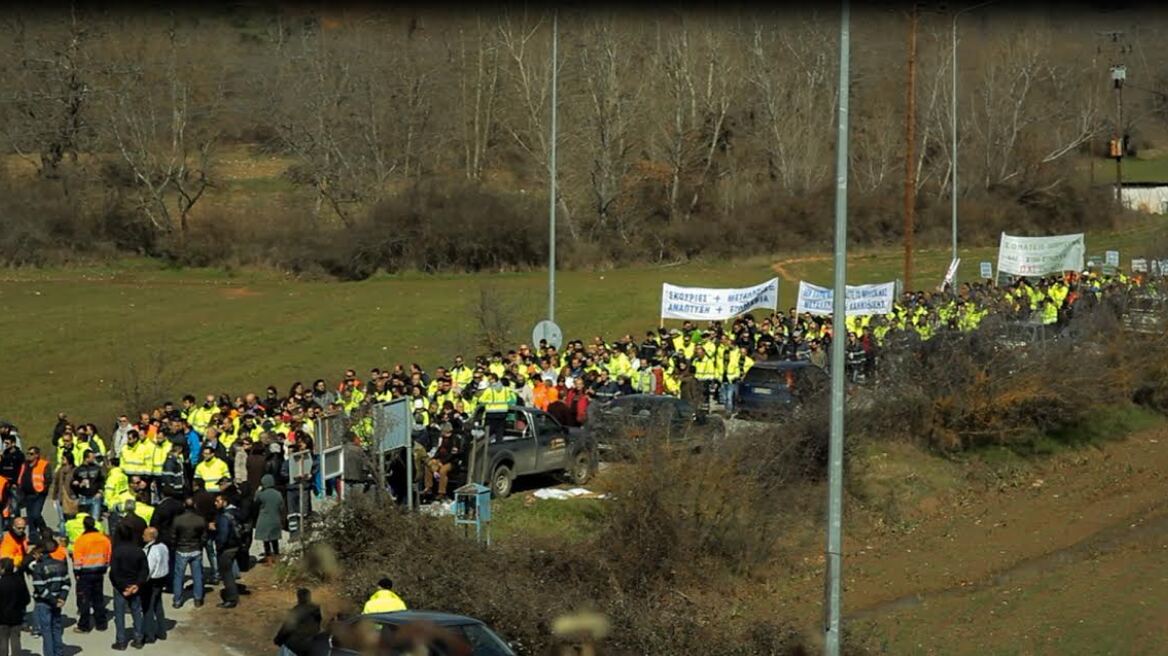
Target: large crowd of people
143,504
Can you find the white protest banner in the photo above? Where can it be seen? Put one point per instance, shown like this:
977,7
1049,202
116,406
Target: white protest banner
1040,256
860,300
1139,266
987,270
697,303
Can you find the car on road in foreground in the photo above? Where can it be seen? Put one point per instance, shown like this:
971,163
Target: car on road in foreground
357,635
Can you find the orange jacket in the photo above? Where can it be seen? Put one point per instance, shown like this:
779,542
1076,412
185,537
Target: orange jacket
39,482
91,553
12,548
60,553
543,396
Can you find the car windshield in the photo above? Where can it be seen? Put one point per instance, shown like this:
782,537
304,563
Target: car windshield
762,376
482,641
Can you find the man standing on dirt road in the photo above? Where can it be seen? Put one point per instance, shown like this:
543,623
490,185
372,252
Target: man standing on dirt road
227,543
300,626
33,483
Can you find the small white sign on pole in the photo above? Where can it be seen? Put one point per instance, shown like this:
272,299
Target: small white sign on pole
987,270
1139,265
1111,258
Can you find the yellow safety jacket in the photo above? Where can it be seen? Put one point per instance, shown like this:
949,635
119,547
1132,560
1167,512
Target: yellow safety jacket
116,490
462,376
158,457
496,400
136,458
737,365
211,471
705,368
384,601
144,510
200,418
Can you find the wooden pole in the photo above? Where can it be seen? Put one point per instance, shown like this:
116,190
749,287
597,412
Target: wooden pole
910,124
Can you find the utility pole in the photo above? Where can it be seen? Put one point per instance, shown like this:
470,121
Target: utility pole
835,469
552,177
1117,146
910,125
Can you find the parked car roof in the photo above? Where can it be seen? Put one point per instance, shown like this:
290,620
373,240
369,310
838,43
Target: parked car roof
401,618
782,365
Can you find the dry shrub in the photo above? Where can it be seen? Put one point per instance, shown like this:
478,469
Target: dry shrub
684,523
964,391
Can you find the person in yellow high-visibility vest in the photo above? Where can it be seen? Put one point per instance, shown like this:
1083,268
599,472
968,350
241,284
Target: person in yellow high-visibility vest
384,600
496,401
211,470
705,369
135,455
738,362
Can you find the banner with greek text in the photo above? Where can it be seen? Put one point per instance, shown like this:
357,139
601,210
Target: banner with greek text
860,300
1040,256
701,303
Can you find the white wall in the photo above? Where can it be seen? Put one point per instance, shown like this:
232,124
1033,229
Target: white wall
1153,200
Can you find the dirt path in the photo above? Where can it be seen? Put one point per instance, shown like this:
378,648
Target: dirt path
780,267
1082,539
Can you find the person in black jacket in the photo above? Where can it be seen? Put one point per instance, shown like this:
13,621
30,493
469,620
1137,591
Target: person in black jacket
190,536
14,600
228,539
50,589
128,576
300,625
87,483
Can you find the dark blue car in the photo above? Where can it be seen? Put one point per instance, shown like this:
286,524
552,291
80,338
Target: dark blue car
377,630
774,387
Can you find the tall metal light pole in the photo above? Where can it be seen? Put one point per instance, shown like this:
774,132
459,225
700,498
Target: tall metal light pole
551,315
835,469
953,124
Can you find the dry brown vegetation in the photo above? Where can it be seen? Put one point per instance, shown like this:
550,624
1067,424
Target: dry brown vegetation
390,139
680,557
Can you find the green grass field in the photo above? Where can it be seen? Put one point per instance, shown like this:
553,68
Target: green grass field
69,337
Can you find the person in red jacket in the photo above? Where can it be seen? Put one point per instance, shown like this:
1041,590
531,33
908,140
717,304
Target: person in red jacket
577,402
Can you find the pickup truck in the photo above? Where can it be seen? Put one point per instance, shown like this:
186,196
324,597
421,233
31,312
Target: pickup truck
534,443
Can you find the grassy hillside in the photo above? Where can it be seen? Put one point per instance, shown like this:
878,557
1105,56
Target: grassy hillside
72,338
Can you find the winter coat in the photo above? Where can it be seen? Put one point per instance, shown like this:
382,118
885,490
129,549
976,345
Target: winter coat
63,490
14,599
270,519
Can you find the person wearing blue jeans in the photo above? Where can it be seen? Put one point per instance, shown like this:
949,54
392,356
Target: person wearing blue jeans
132,603
91,505
181,561
50,589
190,537
129,574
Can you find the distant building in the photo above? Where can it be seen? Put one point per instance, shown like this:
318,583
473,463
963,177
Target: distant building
1149,197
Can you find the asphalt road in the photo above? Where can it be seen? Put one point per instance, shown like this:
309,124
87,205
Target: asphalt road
186,635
